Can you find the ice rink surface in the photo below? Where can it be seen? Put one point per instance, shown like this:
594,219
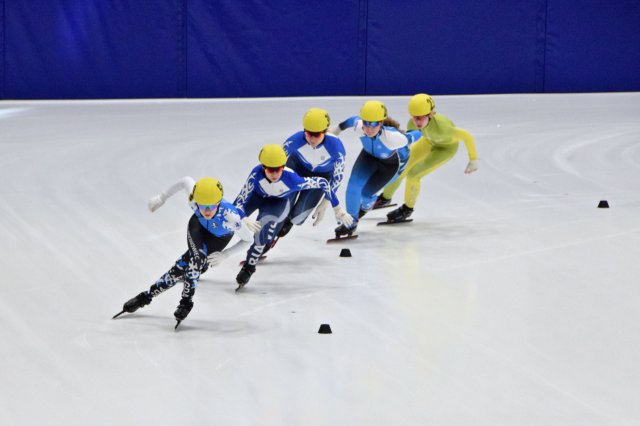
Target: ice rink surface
510,300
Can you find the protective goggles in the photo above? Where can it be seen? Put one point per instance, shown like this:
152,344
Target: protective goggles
211,207
371,123
273,169
315,134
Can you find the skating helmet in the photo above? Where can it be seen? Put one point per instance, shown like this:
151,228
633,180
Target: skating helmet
373,111
421,104
316,120
207,191
272,155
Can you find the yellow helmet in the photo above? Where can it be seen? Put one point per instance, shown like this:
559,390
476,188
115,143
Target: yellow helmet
421,104
373,111
207,191
316,120
272,155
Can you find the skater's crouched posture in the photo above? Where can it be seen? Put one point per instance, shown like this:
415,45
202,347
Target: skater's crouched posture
437,146
210,229
271,189
384,155
312,152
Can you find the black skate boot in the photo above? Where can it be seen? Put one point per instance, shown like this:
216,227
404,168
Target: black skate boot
401,214
132,305
244,275
345,231
143,299
381,202
286,227
183,310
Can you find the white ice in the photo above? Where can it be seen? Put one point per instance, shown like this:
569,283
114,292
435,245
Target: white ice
510,300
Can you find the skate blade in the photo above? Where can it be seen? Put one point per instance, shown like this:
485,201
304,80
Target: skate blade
177,324
394,222
240,287
386,206
337,239
118,314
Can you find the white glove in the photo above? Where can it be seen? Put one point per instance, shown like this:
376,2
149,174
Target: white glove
335,130
471,167
216,258
156,201
342,216
252,225
318,214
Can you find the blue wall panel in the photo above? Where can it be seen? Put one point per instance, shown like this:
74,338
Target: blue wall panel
251,48
2,49
287,48
466,46
593,46
94,49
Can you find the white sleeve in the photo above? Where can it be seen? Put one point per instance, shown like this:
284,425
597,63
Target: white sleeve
245,233
393,139
186,184
238,247
217,257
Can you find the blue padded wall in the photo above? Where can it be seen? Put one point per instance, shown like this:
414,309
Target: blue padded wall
1,49
593,46
94,48
290,48
252,48
463,46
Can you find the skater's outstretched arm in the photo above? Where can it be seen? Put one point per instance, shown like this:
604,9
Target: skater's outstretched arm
467,138
216,258
186,184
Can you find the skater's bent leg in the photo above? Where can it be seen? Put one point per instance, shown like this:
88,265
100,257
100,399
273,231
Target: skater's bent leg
306,202
171,277
364,167
436,158
272,213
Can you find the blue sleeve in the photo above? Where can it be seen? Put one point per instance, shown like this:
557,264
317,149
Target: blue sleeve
321,183
338,168
291,143
413,136
349,122
247,192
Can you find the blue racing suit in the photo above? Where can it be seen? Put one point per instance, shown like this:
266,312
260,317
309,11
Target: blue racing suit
326,160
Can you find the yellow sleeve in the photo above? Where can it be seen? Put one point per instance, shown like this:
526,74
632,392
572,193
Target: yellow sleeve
469,141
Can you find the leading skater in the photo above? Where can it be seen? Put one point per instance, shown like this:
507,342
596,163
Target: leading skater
438,145
211,227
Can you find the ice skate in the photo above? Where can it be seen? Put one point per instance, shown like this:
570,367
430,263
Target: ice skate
398,215
132,305
382,202
183,310
244,275
344,232
286,227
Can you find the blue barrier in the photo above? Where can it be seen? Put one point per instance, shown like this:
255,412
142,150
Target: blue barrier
72,49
